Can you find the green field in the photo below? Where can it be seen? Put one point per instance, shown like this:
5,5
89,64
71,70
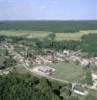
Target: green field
91,96
59,36
73,36
67,71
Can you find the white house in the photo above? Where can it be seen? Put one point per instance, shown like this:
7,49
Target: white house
95,63
85,62
94,76
66,52
75,58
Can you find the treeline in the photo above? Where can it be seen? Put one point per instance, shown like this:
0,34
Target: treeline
89,44
26,87
50,26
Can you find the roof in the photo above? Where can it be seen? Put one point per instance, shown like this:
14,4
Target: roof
79,88
44,68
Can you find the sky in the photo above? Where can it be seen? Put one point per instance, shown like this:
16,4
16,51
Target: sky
48,9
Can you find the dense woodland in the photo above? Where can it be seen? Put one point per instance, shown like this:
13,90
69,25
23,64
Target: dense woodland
50,26
26,87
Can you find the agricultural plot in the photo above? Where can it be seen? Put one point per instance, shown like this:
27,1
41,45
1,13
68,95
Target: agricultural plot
59,36
26,34
73,36
12,33
67,71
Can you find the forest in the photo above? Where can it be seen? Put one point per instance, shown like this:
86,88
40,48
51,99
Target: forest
50,26
26,87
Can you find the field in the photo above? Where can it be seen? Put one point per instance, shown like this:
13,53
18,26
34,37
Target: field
67,71
91,96
73,36
59,36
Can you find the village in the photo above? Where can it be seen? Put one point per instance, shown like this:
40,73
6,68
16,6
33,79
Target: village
40,64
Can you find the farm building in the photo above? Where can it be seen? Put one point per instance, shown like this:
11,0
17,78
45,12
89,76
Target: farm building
79,89
46,70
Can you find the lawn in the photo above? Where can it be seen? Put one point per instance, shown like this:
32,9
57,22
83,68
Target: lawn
67,71
91,96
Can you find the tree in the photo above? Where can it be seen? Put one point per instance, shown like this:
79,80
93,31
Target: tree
88,79
51,36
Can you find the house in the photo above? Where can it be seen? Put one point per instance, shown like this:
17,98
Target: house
95,63
94,86
46,70
39,60
48,51
5,72
66,52
94,78
2,66
94,75
49,57
85,62
27,62
75,58
79,89
60,55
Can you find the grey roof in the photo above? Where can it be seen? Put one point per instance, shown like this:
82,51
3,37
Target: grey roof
44,68
79,88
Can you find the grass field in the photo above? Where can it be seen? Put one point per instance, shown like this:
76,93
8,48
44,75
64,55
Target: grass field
91,96
73,36
67,71
59,36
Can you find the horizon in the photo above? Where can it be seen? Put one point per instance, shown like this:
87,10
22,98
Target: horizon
41,10
49,20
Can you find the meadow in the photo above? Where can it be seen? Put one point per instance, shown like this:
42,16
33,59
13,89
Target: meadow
67,71
59,36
